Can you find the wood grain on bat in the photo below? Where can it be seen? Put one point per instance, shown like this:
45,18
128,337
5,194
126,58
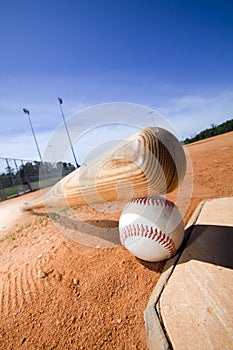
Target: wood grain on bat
148,163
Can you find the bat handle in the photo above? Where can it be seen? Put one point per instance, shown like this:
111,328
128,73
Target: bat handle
30,206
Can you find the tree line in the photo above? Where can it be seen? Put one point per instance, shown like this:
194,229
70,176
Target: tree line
32,171
214,130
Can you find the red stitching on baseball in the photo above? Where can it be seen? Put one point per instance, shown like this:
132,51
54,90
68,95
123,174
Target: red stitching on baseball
153,201
152,233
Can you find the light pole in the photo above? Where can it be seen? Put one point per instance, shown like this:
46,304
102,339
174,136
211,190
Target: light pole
26,111
67,131
151,115
53,157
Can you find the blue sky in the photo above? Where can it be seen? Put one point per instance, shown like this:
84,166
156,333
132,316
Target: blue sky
175,57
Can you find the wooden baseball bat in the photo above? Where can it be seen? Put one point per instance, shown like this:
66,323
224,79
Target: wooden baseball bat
148,163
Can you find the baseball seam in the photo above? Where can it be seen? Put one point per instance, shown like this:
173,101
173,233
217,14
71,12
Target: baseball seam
148,232
154,201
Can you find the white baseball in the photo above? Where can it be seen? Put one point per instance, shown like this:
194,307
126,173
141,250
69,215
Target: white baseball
152,229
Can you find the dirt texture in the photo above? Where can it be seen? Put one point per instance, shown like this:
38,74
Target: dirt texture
58,294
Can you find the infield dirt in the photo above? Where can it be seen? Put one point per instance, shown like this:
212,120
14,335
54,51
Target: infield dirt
58,294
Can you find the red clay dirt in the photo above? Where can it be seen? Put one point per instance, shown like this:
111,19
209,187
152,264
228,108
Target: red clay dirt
59,294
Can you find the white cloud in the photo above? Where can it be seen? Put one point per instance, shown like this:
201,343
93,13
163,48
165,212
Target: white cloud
103,124
191,114
184,110
22,146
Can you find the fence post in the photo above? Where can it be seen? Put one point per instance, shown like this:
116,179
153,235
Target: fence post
12,177
18,176
26,177
2,191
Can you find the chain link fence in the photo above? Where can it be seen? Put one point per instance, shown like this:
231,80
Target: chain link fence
18,176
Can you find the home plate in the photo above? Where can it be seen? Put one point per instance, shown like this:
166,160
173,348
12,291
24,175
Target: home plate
191,306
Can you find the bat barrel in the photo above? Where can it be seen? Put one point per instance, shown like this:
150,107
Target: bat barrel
151,162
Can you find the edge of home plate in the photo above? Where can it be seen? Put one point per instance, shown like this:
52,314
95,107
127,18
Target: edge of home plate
191,305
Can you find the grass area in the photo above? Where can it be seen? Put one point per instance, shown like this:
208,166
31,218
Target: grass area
11,191
44,183
19,189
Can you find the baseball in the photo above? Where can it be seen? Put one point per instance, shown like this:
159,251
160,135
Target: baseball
152,229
